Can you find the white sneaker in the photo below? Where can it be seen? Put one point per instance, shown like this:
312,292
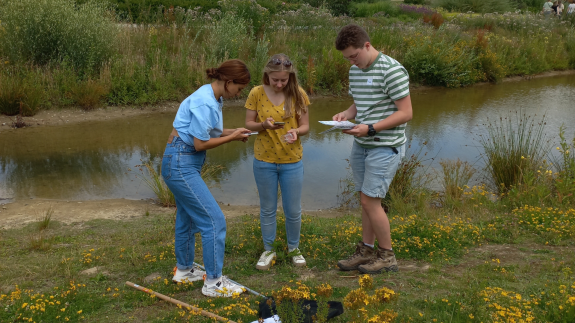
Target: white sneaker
298,260
190,275
267,259
223,287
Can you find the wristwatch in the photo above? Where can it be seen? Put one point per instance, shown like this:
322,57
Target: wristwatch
371,130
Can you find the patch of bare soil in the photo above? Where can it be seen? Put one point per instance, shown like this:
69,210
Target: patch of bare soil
20,213
508,255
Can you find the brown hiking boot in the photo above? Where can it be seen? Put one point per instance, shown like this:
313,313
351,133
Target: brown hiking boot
362,255
383,260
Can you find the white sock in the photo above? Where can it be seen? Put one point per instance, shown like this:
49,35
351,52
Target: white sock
212,281
369,245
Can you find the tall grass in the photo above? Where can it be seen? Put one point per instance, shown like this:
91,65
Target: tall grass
45,219
410,185
153,179
44,31
565,169
456,177
479,6
167,60
513,147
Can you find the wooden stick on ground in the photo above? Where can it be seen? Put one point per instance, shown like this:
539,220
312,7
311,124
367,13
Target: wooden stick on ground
175,301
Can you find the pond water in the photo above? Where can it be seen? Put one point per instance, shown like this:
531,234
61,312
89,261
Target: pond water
96,160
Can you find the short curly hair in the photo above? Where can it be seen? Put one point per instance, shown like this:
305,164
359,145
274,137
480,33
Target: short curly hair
351,35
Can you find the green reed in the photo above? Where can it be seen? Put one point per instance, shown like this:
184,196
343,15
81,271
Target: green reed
513,146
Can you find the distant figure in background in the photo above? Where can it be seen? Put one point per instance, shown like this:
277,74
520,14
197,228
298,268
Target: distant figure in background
547,8
571,8
560,8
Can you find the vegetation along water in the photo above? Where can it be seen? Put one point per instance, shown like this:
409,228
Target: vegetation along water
58,53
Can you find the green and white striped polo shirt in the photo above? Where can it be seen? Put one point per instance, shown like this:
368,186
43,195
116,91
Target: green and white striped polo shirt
374,91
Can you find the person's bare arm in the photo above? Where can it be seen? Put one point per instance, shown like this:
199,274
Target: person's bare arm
240,134
403,114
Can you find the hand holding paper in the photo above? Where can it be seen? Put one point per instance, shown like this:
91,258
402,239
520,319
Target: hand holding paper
341,125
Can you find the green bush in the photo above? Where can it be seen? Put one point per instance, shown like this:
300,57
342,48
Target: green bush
229,36
20,92
365,9
43,31
139,10
532,5
420,2
480,6
249,11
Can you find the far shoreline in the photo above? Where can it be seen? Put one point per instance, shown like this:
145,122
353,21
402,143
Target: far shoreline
71,115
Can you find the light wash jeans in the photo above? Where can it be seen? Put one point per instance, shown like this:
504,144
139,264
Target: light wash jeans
198,211
290,179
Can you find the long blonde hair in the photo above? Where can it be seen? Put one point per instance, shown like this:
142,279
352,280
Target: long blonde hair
294,100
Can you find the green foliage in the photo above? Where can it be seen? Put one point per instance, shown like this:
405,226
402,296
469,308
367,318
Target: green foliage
248,10
531,5
20,90
419,2
150,10
565,166
44,31
365,9
514,148
479,6
228,37
442,60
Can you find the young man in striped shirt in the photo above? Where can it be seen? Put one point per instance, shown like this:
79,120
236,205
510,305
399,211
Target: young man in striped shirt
382,105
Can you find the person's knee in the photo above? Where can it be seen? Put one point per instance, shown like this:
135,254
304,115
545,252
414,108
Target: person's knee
368,202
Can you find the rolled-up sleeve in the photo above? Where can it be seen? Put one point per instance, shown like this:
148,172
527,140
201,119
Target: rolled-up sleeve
201,122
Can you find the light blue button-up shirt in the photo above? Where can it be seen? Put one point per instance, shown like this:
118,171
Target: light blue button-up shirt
200,116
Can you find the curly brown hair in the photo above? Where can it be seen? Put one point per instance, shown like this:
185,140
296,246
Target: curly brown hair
351,35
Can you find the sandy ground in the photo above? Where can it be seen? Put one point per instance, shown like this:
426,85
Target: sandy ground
20,213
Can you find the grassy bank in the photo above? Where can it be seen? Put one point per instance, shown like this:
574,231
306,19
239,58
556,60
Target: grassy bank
464,267
166,60
488,253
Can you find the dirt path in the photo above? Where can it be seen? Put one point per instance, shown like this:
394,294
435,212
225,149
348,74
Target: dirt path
19,213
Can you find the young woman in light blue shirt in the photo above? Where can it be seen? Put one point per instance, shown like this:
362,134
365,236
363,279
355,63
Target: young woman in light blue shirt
198,126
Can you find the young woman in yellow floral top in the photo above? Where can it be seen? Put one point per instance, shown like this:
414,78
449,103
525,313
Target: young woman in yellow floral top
278,152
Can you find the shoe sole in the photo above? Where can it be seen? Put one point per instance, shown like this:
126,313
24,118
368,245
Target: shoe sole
216,294
386,269
344,268
189,281
299,264
266,267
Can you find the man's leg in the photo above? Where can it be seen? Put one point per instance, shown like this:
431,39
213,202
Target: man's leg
377,222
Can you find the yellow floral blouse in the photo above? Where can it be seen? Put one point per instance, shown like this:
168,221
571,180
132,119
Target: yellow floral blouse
268,147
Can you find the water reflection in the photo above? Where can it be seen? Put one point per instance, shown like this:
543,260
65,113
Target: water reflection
95,160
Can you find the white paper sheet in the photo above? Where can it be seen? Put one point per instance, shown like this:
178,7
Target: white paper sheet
273,319
337,125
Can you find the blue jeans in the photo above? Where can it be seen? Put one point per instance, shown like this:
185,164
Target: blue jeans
290,179
197,211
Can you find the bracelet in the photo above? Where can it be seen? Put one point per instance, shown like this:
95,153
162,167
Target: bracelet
263,126
297,131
